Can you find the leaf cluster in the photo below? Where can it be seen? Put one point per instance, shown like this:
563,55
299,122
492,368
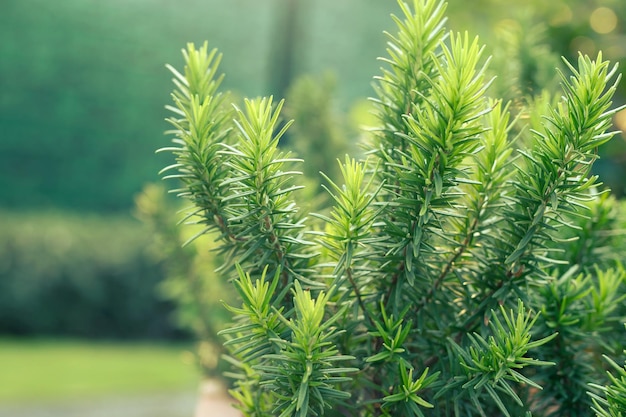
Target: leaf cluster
450,253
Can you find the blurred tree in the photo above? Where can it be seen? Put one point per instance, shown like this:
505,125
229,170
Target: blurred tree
82,82
319,132
285,44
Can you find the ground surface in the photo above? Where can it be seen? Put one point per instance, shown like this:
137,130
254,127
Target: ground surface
210,400
62,371
180,404
65,378
213,401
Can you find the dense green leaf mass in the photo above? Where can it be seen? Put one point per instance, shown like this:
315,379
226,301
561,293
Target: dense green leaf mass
81,276
448,277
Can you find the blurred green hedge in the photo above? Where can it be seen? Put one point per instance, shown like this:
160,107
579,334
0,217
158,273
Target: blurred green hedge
65,275
83,83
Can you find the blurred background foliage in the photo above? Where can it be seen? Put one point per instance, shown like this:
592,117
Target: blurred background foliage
82,93
80,276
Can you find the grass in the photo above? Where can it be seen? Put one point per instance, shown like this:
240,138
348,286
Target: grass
51,370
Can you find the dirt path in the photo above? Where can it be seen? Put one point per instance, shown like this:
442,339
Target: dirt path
214,402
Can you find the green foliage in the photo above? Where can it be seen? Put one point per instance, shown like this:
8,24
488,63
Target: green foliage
189,281
317,133
490,364
452,252
612,403
302,375
521,51
82,78
69,275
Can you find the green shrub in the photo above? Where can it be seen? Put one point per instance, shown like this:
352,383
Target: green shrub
190,264
190,282
70,275
459,272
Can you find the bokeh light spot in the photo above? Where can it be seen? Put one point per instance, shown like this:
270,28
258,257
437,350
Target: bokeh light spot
620,120
584,45
563,16
603,20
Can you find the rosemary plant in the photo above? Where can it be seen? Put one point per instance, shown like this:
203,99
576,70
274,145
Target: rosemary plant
457,273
